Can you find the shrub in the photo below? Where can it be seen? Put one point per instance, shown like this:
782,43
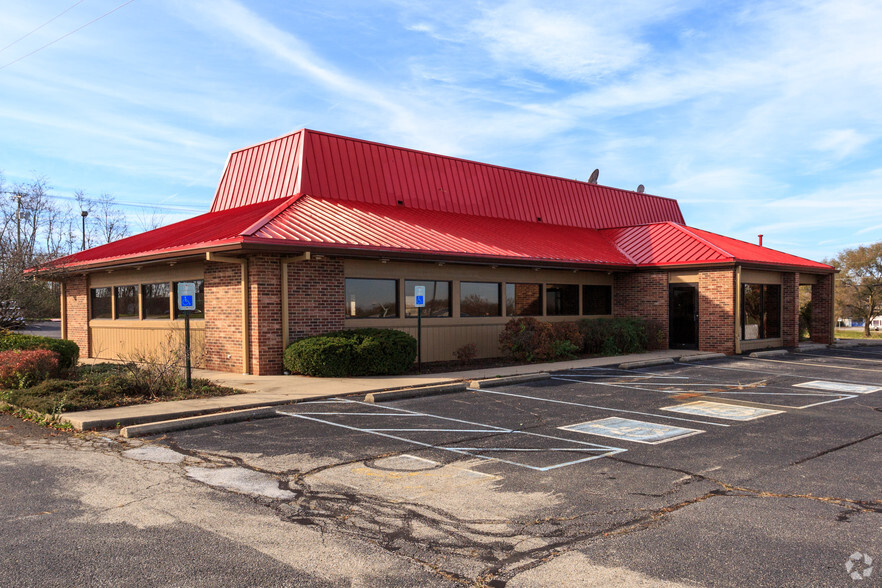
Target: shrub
24,368
613,336
359,352
528,339
467,353
68,351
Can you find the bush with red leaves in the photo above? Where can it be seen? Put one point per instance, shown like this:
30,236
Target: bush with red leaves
24,368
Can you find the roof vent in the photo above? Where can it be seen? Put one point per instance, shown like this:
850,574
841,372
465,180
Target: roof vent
640,189
760,240
538,219
401,203
594,175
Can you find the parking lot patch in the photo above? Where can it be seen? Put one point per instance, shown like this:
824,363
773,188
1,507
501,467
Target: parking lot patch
631,430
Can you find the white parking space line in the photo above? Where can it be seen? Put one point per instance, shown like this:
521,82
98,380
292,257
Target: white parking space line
771,373
876,361
592,406
593,450
825,365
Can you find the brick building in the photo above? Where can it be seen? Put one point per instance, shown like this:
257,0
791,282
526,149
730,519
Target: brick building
313,232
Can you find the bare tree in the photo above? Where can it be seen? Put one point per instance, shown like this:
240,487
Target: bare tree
150,219
112,223
859,294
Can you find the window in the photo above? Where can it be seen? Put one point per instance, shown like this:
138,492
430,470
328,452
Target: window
199,311
127,302
367,298
437,298
156,300
479,299
760,311
523,299
596,299
561,299
101,303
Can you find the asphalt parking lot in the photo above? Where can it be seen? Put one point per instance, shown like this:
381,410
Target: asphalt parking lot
732,472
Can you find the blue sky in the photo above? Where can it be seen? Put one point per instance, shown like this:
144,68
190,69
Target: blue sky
759,117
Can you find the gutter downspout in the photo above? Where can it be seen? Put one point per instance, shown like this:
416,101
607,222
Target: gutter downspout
64,311
738,310
286,327
246,323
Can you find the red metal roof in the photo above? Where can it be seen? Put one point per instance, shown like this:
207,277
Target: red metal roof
331,166
674,244
380,227
205,230
311,189
260,173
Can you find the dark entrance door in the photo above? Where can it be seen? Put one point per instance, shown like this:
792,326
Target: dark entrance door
683,323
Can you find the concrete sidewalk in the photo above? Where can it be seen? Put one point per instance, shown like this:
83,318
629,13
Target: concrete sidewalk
275,390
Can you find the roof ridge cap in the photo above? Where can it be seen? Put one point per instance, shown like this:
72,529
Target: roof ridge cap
688,231
287,201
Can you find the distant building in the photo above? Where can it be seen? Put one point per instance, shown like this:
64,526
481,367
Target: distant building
313,232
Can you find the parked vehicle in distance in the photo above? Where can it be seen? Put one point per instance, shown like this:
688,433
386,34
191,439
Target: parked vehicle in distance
11,316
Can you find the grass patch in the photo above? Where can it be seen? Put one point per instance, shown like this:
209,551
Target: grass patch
105,385
844,334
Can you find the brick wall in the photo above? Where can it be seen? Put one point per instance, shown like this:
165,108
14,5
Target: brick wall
265,305
76,292
790,309
223,317
822,310
643,295
316,289
716,311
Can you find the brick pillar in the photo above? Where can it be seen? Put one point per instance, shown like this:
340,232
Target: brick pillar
716,311
822,310
316,290
223,317
76,293
643,295
265,305
790,309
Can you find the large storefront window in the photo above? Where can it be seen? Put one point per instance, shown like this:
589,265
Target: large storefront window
101,303
437,298
368,298
156,300
523,299
479,299
596,299
760,311
127,302
561,299
199,311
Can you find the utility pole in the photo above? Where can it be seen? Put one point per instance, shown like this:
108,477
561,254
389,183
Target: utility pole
84,214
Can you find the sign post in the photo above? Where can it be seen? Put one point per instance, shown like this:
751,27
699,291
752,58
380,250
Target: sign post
419,300
187,303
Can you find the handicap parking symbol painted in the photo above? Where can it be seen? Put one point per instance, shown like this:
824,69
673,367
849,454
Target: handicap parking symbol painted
631,430
719,410
838,387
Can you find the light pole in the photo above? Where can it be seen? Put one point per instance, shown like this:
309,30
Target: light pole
84,214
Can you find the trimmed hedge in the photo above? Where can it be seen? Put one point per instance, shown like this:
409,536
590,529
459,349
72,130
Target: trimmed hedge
528,339
359,352
24,368
68,351
614,336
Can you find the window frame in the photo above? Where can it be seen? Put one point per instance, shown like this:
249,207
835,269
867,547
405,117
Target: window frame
116,303
541,298
765,298
145,305
608,301
407,296
548,299
92,297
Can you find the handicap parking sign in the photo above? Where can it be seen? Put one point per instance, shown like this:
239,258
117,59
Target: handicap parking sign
419,296
186,295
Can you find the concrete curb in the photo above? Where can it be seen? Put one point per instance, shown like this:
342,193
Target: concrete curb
691,358
415,392
646,363
840,344
195,422
870,343
810,346
506,380
772,353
